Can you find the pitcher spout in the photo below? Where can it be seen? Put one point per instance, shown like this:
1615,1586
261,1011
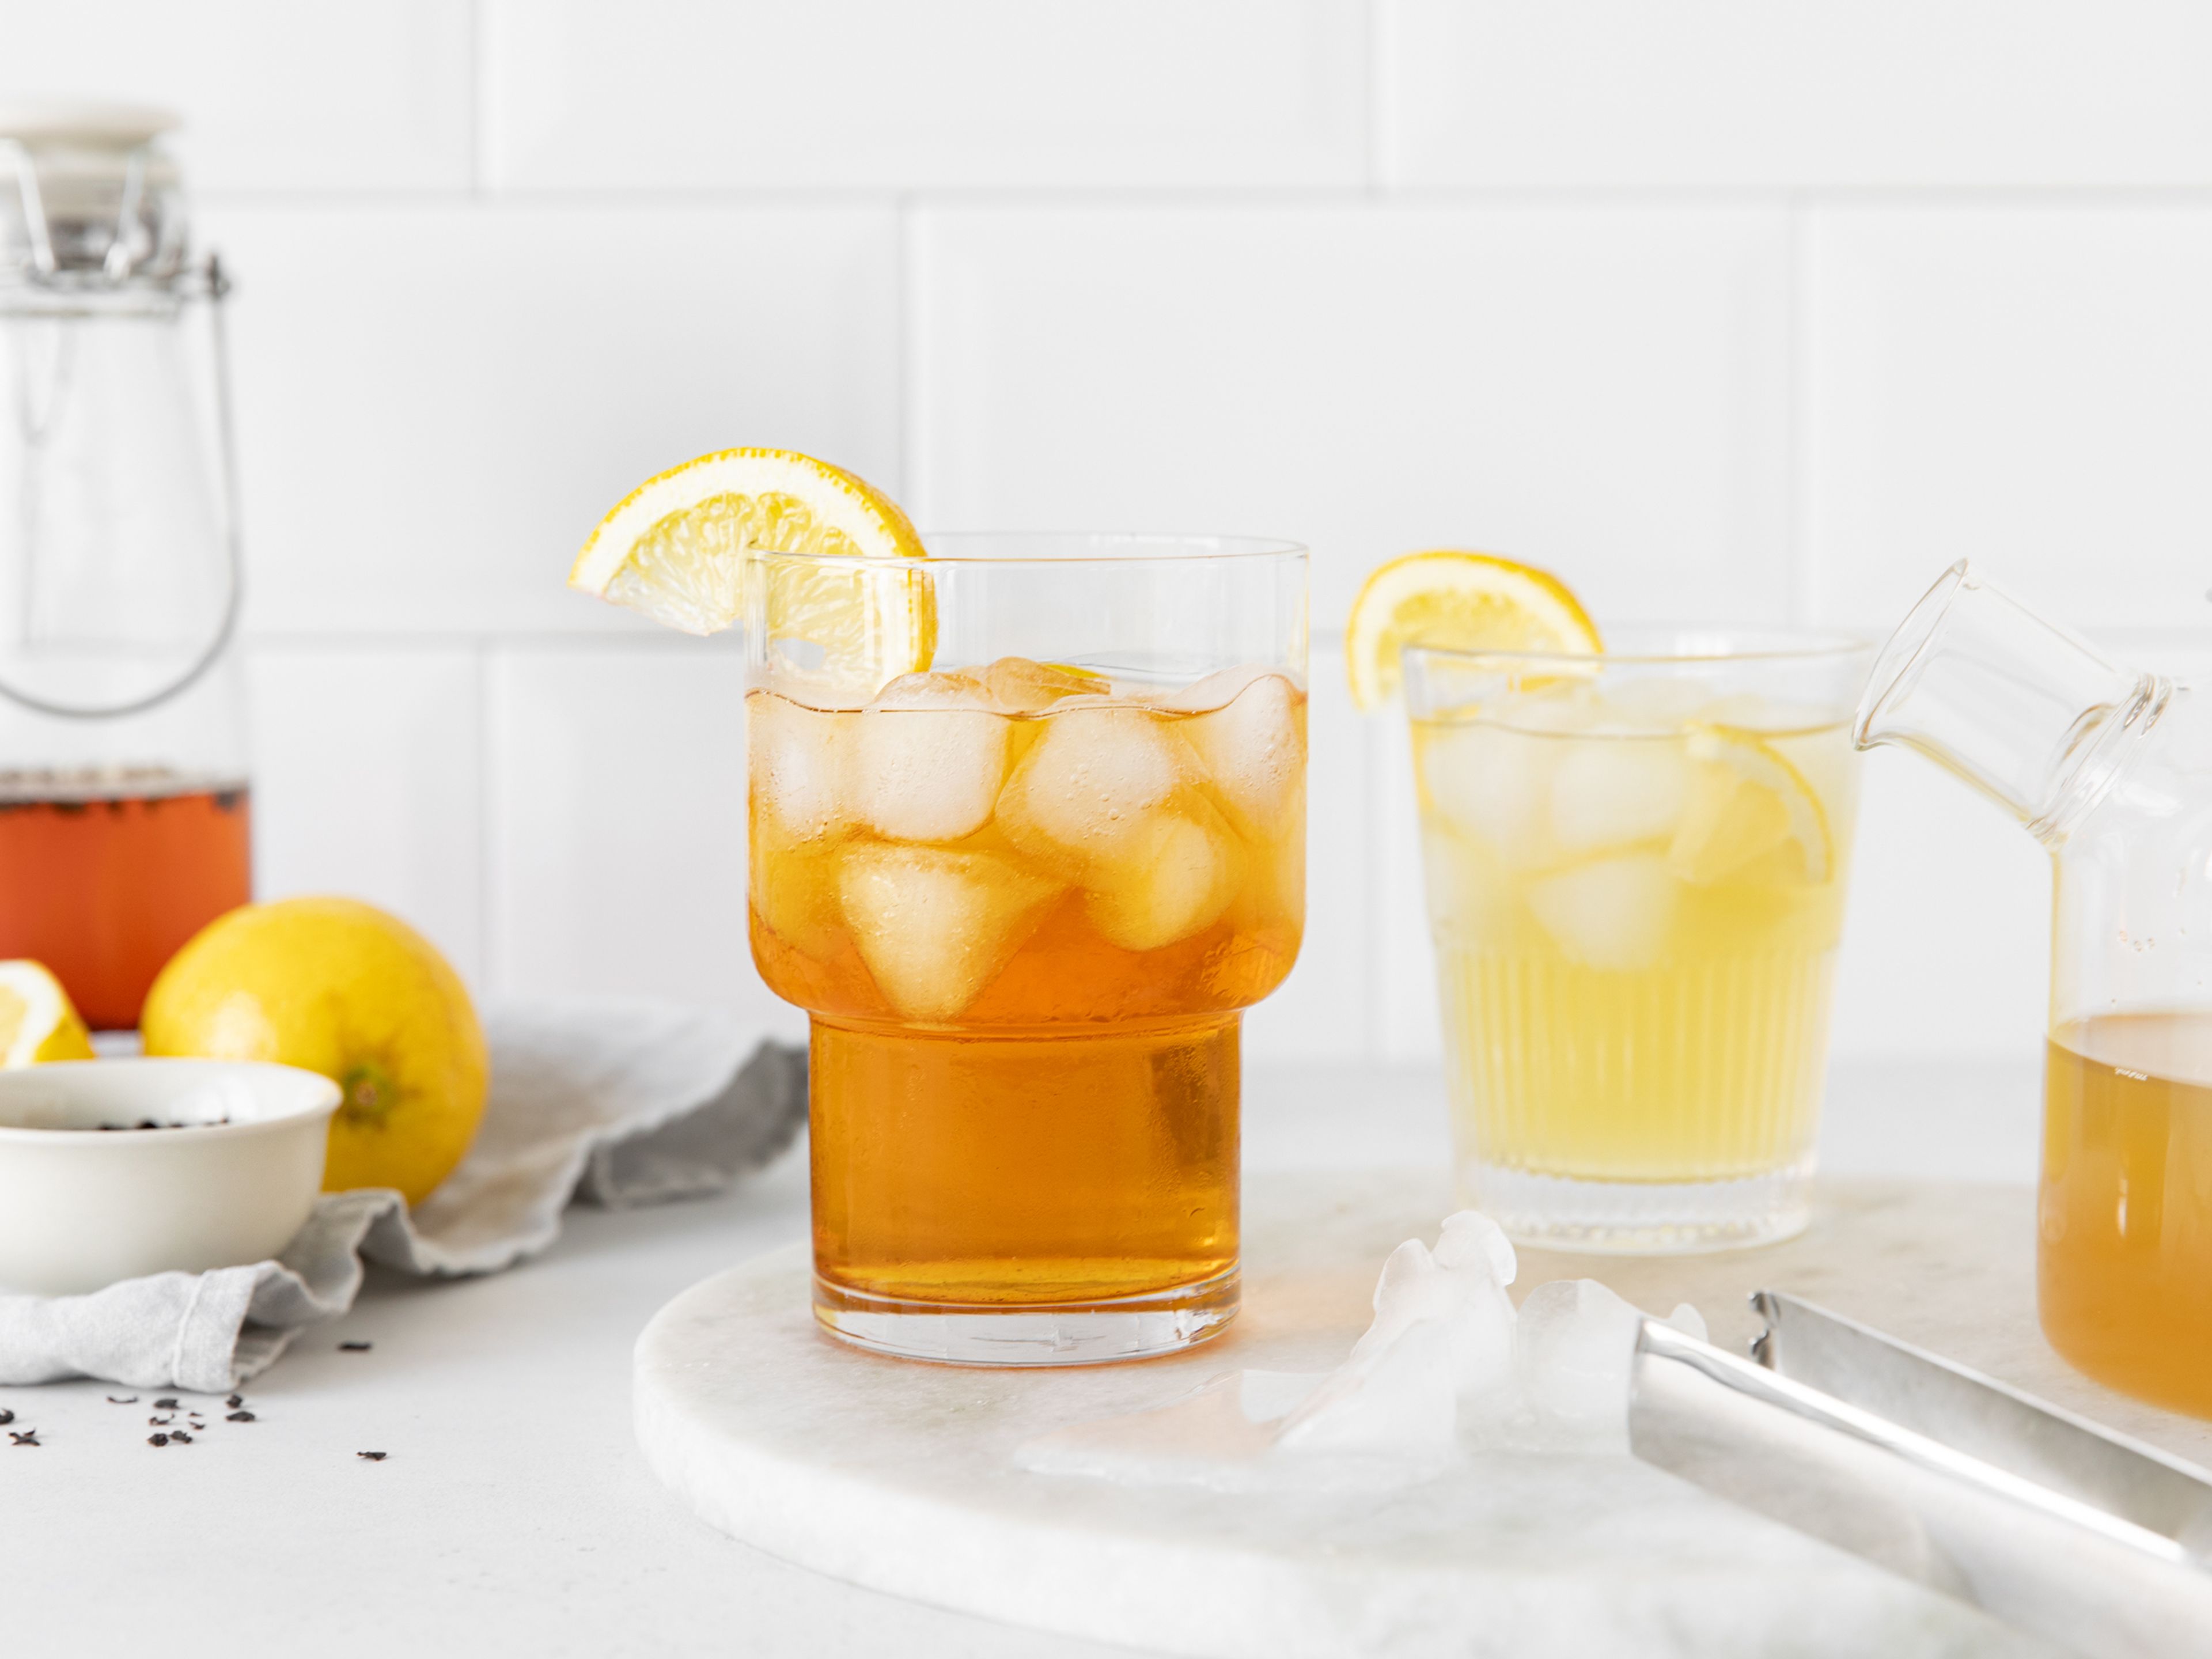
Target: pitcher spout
2027,713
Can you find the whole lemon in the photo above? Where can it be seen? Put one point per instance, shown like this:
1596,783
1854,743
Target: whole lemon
340,987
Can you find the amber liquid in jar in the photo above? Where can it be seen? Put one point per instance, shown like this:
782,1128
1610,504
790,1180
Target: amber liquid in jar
2124,1255
104,875
1025,1053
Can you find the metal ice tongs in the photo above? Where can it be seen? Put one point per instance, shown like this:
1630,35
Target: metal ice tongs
2040,1518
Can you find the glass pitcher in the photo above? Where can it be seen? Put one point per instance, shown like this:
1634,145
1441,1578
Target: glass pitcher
123,818
2111,771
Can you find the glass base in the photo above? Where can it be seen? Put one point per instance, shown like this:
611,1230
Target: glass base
1641,1218
1062,1334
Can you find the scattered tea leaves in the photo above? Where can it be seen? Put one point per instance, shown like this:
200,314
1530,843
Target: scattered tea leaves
30,1437
372,1458
354,1348
127,1399
240,1417
157,1440
179,1435
7,1416
166,1403
236,1401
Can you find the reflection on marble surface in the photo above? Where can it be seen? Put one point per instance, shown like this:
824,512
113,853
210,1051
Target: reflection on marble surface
903,1477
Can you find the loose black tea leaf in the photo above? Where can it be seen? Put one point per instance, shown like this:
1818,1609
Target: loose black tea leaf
157,1440
373,1457
353,1347
239,1417
127,1400
160,1422
30,1437
236,1401
7,1416
166,1403
178,1434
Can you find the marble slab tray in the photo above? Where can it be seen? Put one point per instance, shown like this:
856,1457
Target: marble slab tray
900,1476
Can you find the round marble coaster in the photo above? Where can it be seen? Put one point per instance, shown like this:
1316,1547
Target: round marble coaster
900,1476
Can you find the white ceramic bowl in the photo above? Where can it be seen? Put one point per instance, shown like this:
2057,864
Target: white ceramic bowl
80,1208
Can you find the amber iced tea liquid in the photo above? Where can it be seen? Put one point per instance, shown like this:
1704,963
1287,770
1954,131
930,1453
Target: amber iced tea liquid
103,879
1025,916
2125,1216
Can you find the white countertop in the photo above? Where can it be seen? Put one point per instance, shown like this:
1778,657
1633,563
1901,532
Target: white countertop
512,1514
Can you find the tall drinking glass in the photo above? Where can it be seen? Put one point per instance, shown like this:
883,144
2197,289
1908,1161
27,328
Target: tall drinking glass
1635,870
1028,831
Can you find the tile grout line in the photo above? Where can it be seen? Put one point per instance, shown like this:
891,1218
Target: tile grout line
909,361
1381,97
1372,942
487,963
1797,586
478,58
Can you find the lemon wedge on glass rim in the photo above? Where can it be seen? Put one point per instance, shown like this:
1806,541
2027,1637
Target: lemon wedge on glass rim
1460,601
674,550
38,1022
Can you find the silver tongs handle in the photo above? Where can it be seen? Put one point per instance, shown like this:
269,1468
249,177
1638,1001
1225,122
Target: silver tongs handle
2041,1519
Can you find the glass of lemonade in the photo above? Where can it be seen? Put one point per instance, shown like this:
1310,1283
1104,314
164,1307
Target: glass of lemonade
1026,835
1635,870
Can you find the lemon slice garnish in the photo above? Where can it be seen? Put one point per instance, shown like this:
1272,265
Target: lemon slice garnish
38,1022
674,549
1460,601
1747,804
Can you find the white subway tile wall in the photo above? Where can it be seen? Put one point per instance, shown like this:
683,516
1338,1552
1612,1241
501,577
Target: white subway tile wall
1725,309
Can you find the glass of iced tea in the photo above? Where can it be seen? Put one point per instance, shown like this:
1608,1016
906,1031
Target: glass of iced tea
1027,833
1635,867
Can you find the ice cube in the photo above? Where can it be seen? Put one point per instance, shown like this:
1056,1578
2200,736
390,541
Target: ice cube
1470,897
1576,1350
1216,690
1662,701
794,895
1470,1242
1613,913
1439,1357
1615,793
1491,784
1254,748
934,689
1018,686
798,757
935,926
1094,783
927,774
1402,1400
1173,878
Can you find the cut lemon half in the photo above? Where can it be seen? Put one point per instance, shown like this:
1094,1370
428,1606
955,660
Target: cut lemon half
38,1022
674,549
1461,602
1750,814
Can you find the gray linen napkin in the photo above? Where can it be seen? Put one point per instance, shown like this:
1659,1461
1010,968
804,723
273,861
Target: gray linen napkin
617,1103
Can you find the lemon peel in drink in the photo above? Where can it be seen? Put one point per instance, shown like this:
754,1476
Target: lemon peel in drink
1746,805
1460,601
340,987
38,1022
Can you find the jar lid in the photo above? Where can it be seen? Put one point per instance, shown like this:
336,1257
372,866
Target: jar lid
88,199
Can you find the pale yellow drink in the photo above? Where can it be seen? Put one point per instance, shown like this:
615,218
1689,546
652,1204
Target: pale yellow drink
1636,901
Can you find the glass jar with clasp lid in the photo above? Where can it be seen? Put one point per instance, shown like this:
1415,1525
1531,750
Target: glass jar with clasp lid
123,791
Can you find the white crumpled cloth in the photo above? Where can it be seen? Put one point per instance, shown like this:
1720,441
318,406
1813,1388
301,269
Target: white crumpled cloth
617,1103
